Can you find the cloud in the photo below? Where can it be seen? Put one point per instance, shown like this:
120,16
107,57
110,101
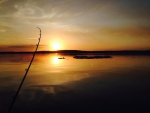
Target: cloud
73,18
2,30
21,47
3,1
64,13
130,31
132,9
24,46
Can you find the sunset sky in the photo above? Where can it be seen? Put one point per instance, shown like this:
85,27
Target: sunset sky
75,24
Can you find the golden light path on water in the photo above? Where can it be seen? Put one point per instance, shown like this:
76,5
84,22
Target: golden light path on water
48,69
55,60
55,71
51,77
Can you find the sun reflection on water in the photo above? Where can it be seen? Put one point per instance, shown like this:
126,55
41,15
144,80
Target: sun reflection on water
55,60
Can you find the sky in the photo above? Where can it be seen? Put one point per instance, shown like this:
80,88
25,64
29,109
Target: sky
75,24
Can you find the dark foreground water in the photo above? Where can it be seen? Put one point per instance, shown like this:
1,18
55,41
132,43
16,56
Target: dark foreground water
121,83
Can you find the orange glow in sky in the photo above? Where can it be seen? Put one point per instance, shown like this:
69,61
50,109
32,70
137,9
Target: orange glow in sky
79,24
56,46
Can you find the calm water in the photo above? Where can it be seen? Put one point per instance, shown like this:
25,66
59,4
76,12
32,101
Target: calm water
71,85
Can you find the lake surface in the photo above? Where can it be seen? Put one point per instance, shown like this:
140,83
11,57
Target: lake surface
74,85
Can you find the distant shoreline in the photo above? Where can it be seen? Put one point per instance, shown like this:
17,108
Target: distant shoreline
80,52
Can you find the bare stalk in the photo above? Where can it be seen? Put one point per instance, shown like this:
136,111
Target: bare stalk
15,97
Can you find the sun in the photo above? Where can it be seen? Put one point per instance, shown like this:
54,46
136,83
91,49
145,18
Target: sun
56,46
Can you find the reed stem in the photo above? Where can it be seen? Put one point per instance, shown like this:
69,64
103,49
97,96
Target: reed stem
27,70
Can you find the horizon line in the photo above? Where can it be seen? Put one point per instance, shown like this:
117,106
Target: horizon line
81,52
78,50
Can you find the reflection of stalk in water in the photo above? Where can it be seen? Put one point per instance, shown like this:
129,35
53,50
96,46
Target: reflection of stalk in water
14,99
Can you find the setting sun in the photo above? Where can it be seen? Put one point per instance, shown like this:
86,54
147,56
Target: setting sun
56,46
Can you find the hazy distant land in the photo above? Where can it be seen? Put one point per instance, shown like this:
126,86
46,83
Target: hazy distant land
81,52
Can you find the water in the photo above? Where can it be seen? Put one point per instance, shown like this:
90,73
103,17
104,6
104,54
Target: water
71,85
